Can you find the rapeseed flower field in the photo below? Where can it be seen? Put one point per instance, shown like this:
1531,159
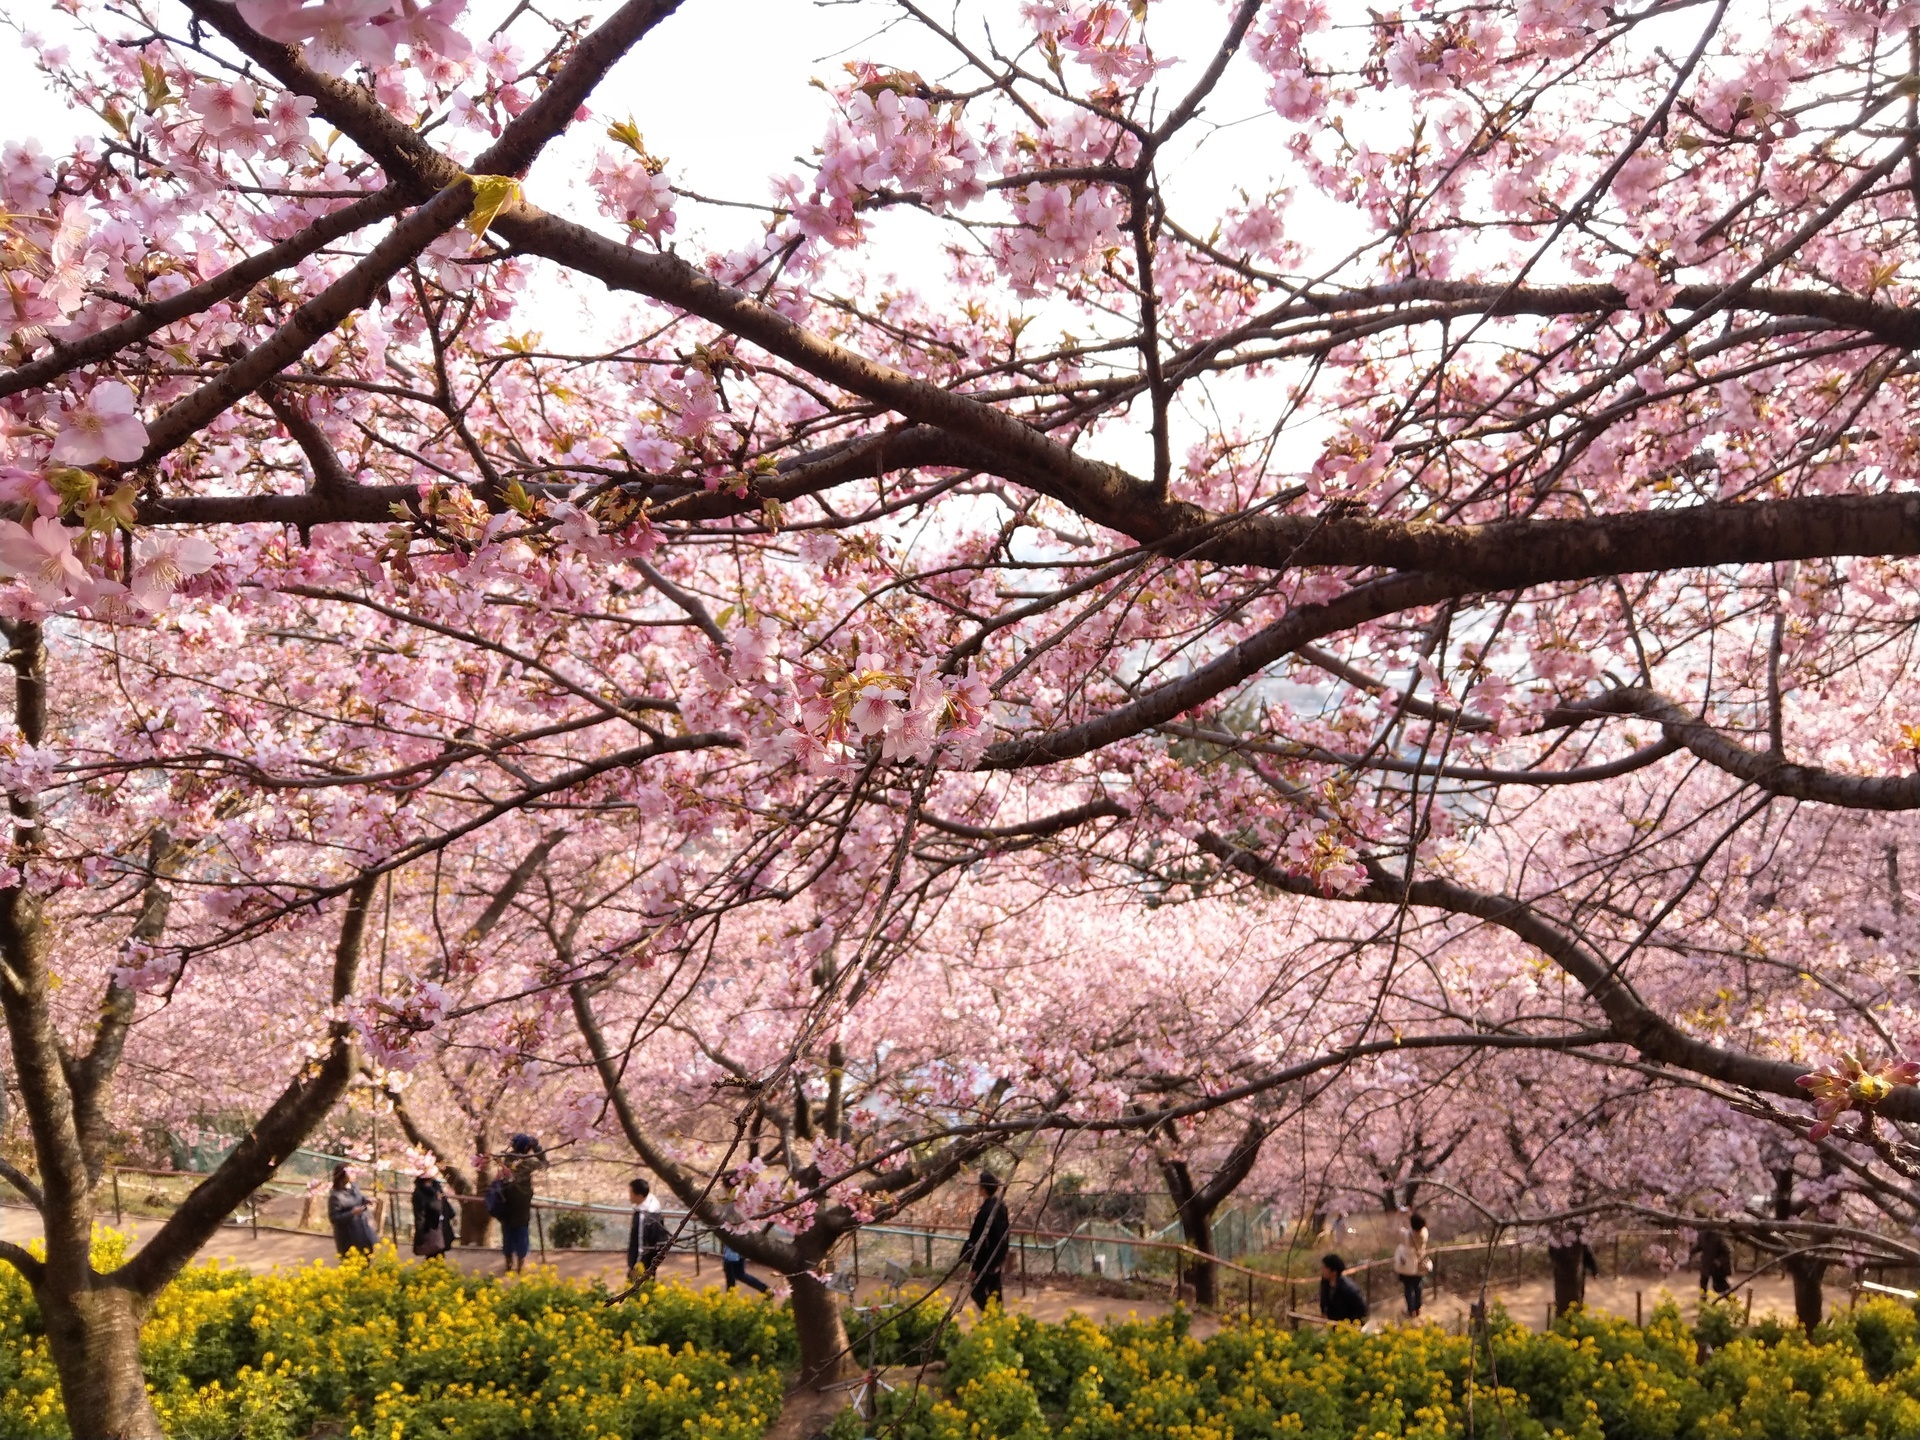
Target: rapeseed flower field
381,1349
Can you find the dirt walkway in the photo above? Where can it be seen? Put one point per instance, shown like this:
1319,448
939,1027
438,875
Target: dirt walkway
1526,1299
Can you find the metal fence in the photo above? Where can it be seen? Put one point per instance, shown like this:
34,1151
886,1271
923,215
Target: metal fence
1264,1262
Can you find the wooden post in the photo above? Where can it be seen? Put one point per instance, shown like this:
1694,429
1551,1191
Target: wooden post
1749,1305
1638,1318
1549,1325
116,1198
540,1224
929,1249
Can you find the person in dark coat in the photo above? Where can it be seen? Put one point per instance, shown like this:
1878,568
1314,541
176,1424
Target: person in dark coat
986,1249
1716,1262
524,1157
1340,1298
432,1218
350,1213
648,1238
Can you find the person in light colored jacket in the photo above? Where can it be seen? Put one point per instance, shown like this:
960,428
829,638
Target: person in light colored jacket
1412,1263
350,1213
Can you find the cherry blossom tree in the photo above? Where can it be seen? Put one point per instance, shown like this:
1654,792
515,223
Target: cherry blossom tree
1487,518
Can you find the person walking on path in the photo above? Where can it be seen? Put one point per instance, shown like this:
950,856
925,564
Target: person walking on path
648,1239
350,1213
1412,1263
1340,1298
733,1265
432,1218
986,1248
1716,1262
516,1200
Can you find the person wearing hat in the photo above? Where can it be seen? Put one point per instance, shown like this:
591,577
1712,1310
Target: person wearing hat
986,1249
524,1156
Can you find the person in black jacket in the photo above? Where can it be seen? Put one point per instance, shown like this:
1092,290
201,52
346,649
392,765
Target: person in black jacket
648,1238
986,1249
432,1218
1716,1261
1340,1298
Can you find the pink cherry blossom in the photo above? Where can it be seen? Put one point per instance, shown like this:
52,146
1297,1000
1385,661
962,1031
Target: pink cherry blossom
42,556
162,564
104,425
225,110
335,34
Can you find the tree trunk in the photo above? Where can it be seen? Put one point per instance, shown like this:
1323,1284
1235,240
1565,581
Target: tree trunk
823,1337
1807,1274
1197,1225
1569,1276
94,1338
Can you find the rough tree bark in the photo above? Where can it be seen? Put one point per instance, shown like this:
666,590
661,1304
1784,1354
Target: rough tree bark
1807,1271
1569,1275
1196,1205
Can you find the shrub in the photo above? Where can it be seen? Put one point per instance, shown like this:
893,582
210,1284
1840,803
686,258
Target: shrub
912,1330
571,1229
375,1347
410,1351
1591,1378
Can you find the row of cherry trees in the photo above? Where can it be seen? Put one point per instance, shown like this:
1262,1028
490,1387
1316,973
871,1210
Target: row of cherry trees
1413,654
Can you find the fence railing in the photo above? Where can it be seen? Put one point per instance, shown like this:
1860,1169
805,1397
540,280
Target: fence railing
1275,1272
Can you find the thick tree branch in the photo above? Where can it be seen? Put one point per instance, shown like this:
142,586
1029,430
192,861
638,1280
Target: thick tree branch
1763,770
1475,558
1028,829
1245,660
23,1182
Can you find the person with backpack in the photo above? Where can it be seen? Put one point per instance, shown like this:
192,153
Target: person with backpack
1340,1298
432,1218
648,1238
1412,1263
351,1214
510,1200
